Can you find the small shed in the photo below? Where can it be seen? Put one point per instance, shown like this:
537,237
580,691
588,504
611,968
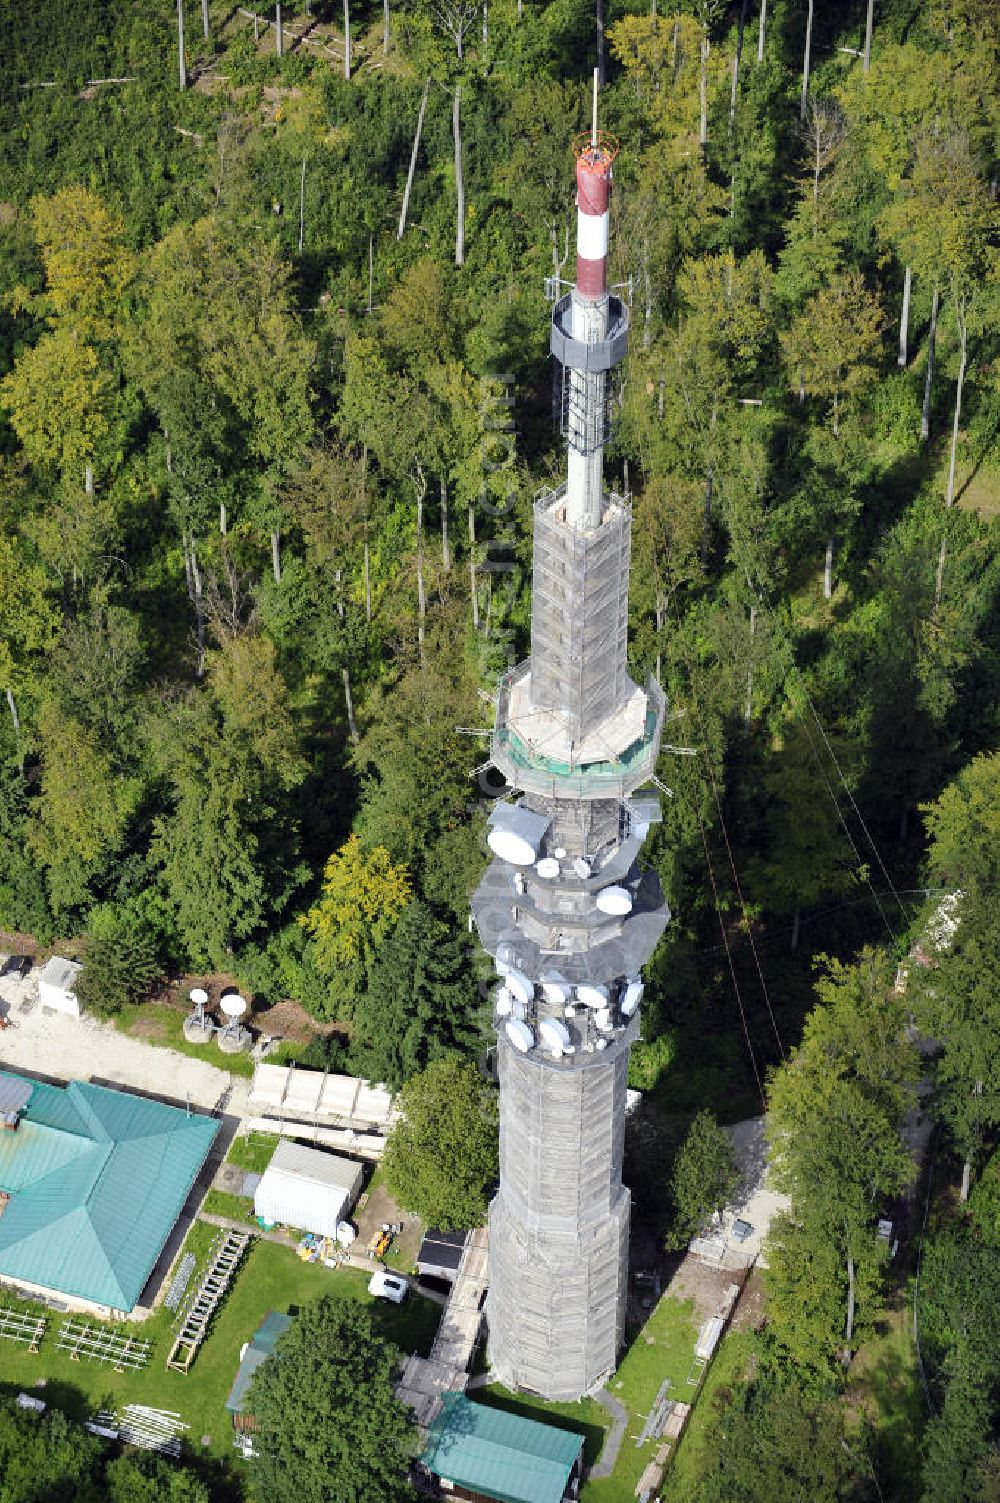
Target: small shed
56,983
307,1188
480,1453
440,1254
257,1350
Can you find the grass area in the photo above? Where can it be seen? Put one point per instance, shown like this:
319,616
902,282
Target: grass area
687,1466
156,1023
252,1151
272,1278
235,1207
885,1389
586,1418
663,1348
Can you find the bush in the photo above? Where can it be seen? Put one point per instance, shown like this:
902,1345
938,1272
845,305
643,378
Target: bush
121,963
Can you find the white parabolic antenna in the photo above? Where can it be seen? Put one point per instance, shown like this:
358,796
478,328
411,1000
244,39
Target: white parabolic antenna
233,1005
548,867
555,1035
511,847
520,1035
592,995
199,996
616,900
519,986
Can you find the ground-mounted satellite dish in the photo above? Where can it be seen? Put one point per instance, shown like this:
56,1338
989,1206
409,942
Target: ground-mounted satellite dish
548,868
615,900
233,1005
520,1035
199,996
592,995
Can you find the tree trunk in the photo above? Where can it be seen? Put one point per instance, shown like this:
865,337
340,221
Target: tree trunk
88,480
939,572
904,320
849,1323
368,583
302,207
486,24
703,91
963,1193
385,28
347,39
12,707
707,518
223,520
279,31
421,597
736,64
868,35
456,126
349,702
196,594
760,33
963,349
925,416
204,18
828,570
256,27
748,707
181,69
796,921
371,270
276,555
473,584
599,19
445,545
413,161
803,101
660,606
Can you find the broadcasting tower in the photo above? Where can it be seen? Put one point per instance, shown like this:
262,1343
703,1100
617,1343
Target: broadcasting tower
564,909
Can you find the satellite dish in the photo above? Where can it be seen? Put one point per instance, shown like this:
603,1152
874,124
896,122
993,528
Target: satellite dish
233,1005
631,997
199,996
520,986
615,900
554,1035
511,847
559,852
548,867
591,995
555,991
504,1003
581,868
520,1035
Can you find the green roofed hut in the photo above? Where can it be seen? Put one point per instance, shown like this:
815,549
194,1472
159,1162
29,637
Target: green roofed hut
92,1182
257,1350
488,1454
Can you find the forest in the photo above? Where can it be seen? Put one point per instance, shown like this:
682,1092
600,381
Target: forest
275,400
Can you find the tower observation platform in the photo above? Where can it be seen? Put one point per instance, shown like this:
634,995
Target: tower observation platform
564,909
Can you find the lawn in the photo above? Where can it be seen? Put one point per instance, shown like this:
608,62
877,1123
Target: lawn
272,1278
252,1151
663,1348
885,1388
728,1366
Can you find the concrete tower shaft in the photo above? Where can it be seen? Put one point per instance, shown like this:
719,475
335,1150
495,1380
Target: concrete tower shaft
565,910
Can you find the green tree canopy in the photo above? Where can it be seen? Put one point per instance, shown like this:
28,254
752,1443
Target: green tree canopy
441,1157
328,1422
704,1176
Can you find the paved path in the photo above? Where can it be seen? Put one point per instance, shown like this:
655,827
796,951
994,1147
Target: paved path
606,1462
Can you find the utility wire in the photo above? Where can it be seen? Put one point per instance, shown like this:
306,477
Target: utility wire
729,848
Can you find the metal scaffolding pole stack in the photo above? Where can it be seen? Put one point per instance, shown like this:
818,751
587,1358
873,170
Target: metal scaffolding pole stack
564,908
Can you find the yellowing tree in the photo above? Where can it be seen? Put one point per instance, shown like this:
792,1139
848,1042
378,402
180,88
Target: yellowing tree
363,896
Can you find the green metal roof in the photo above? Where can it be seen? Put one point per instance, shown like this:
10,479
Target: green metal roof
97,1179
261,1345
502,1455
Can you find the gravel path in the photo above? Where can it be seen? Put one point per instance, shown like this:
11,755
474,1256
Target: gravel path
58,1047
605,1463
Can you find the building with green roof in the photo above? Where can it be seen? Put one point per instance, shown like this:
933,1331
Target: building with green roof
92,1182
257,1350
487,1454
